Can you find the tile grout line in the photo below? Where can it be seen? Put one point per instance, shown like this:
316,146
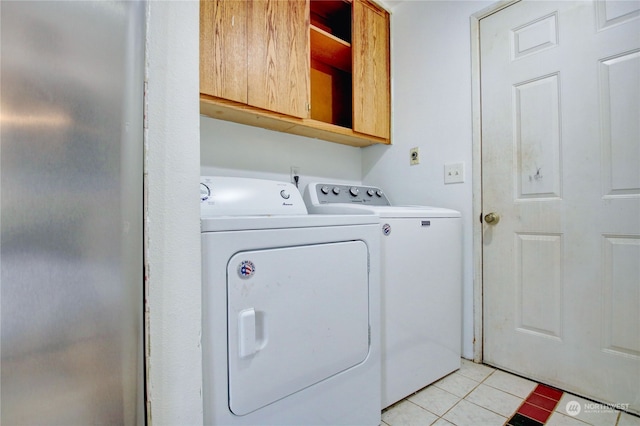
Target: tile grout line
466,395
444,390
492,387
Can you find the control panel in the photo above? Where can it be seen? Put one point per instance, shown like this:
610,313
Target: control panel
325,193
235,196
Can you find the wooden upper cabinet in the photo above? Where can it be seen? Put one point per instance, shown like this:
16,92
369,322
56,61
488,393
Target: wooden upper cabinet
371,79
223,49
278,56
316,68
256,53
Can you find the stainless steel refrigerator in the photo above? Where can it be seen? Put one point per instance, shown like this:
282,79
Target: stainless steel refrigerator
71,203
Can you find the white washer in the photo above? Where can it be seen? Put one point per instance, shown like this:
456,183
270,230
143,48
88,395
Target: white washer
421,254
291,309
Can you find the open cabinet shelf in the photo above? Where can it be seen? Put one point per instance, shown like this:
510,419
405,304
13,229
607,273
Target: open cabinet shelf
330,49
332,16
331,62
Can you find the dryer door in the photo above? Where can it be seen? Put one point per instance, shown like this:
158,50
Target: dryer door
296,316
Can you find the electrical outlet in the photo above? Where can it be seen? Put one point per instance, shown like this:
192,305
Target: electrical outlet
414,156
295,175
454,173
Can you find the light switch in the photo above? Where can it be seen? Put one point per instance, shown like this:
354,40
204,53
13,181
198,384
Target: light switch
454,173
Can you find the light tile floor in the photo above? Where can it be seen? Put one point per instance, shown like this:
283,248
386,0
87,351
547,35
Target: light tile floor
479,395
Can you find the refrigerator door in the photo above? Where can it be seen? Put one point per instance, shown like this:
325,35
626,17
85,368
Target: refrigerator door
71,170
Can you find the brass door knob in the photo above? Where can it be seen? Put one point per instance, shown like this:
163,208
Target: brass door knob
492,218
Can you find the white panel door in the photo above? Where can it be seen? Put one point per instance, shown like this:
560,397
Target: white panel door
296,316
560,87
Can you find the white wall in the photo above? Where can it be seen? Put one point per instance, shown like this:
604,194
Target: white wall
230,149
172,216
431,67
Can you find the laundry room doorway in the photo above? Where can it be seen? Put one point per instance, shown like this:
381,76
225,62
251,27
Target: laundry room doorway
557,149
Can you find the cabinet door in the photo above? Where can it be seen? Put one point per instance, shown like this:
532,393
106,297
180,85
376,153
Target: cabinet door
223,49
371,93
278,56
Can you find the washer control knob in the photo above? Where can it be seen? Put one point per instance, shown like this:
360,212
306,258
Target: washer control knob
370,192
205,192
336,190
379,192
284,194
354,191
325,189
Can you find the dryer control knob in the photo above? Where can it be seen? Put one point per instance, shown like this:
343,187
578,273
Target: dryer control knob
336,190
354,191
325,190
379,192
370,192
284,194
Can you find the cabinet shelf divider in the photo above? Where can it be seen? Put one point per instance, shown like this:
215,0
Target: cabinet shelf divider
330,50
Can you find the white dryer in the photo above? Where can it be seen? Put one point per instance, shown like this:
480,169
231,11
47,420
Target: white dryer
291,325
421,255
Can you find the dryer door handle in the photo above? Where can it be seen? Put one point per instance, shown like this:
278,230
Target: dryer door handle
247,344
